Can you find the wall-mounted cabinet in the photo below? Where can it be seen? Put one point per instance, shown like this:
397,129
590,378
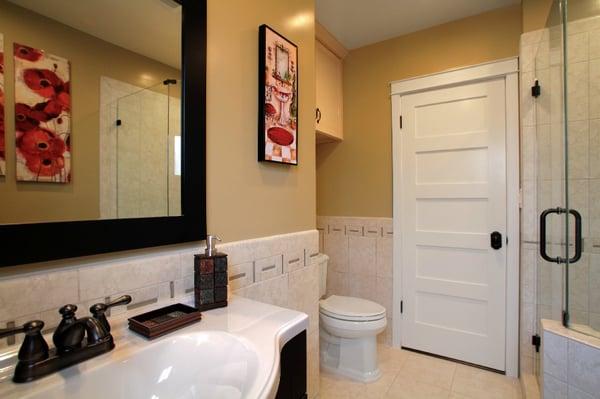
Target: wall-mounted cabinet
329,112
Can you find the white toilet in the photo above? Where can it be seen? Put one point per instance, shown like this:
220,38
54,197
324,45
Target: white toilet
348,333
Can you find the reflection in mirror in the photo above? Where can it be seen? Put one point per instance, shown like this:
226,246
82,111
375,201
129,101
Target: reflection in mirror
92,109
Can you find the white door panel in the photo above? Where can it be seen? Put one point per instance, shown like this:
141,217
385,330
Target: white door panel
453,173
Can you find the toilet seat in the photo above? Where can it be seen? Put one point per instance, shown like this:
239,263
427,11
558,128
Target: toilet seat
348,308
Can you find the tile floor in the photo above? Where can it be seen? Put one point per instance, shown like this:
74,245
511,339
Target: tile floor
409,375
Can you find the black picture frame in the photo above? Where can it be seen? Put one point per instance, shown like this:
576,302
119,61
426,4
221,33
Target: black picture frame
36,242
262,65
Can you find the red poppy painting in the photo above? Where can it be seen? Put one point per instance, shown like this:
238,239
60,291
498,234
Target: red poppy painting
2,149
42,116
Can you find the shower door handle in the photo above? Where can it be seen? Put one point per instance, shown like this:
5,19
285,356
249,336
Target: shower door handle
543,217
578,237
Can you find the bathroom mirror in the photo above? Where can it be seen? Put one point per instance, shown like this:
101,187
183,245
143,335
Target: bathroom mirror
102,117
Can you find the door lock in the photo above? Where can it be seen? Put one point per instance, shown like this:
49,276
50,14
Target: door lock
496,240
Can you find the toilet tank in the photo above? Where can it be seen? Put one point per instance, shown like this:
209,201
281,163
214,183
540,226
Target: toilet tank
322,260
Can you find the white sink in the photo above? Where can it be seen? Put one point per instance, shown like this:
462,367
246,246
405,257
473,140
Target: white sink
205,364
233,353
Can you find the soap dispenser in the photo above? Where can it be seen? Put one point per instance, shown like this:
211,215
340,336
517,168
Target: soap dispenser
210,277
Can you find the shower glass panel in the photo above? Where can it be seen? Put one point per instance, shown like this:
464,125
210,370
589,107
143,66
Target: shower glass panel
148,152
567,125
551,188
582,164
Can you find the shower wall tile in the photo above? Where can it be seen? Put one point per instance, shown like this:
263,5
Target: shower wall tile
555,355
571,362
578,142
543,103
578,45
556,92
527,103
527,57
542,56
594,84
528,153
594,144
578,91
594,45
543,148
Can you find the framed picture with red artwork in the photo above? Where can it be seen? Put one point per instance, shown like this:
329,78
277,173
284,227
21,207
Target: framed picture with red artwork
278,98
42,116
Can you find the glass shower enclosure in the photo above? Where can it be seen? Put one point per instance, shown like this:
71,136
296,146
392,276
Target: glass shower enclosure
565,84
148,152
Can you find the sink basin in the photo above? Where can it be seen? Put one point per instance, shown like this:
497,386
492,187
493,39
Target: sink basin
203,364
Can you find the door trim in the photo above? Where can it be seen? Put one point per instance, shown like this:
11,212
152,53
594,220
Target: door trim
507,68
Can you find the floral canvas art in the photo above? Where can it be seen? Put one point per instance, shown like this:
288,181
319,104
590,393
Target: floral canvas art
278,98
42,116
2,148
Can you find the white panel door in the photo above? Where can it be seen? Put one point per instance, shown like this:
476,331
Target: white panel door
453,196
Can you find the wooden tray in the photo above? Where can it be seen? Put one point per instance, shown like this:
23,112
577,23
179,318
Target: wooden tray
162,321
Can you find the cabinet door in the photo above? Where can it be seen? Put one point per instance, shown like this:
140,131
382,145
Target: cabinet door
329,92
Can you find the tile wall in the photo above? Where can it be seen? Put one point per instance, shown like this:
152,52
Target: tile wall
282,270
360,260
570,363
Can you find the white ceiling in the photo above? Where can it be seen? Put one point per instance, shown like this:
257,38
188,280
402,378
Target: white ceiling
148,27
356,23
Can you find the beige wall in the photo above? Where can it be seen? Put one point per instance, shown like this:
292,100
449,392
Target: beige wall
90,58
535,14
354,177
538,14
246,198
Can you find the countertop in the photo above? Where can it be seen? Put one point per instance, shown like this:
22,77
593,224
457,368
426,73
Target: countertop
266,327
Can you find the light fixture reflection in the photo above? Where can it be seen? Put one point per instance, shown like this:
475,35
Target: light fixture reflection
164,375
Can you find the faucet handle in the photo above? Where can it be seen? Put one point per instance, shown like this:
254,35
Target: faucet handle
98,310
34,347
68,311
30,328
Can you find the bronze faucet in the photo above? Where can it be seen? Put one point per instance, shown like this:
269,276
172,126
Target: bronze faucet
75,340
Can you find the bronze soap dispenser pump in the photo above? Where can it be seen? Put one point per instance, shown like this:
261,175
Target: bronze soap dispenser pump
210,277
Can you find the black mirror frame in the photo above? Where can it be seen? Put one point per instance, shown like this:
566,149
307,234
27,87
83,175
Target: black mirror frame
38,242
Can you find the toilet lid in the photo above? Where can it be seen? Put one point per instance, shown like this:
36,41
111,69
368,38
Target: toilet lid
350,308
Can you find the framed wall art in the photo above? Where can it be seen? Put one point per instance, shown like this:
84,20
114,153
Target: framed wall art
42,116
278,98
2,142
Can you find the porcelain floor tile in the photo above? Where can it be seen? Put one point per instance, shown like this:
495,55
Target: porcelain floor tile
429,370
406,387
413,375
476,383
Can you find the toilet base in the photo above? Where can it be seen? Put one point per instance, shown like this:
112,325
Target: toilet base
354,358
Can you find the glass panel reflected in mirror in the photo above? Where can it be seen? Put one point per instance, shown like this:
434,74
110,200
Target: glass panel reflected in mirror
90,110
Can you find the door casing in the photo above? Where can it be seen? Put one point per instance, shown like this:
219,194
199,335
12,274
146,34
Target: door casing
507,69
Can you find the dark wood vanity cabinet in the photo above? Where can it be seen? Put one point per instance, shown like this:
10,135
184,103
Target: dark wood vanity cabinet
292,381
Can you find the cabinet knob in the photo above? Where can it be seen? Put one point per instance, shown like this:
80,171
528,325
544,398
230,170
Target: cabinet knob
318,115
